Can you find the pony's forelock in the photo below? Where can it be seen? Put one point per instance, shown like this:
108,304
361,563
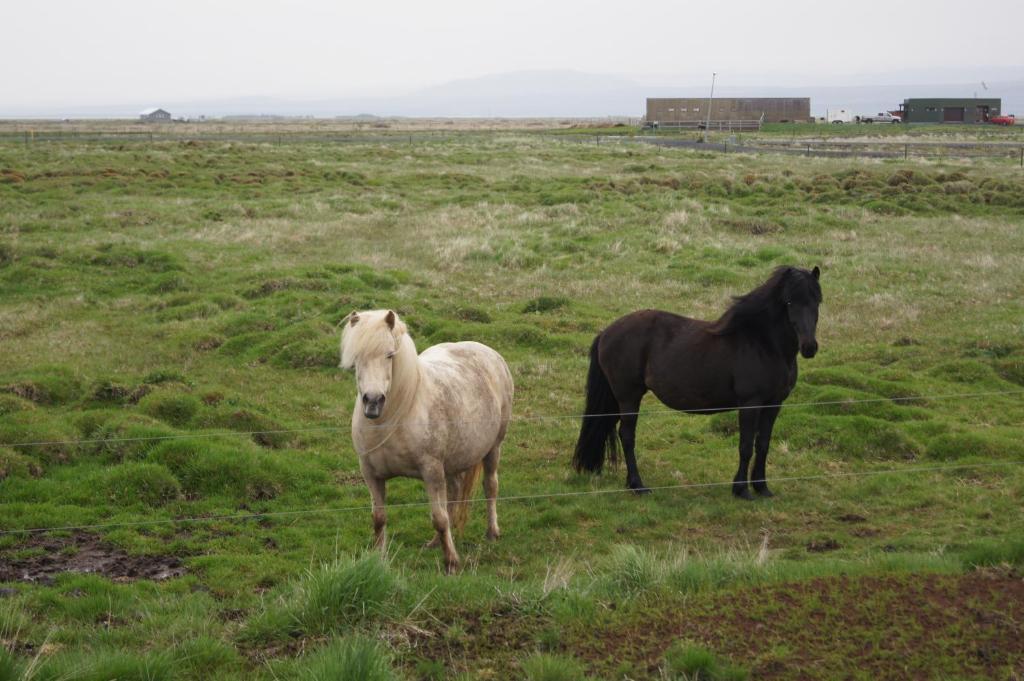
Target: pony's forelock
784,282
370,335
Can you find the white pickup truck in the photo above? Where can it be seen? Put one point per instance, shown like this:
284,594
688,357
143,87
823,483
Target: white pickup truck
880,117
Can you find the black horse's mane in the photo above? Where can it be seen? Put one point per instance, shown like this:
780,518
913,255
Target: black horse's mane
755,307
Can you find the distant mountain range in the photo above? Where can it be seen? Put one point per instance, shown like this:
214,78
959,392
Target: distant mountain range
549,94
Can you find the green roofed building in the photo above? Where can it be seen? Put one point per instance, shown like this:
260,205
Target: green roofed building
966,110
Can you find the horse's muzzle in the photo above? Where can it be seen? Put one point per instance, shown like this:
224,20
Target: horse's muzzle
809,349
373,406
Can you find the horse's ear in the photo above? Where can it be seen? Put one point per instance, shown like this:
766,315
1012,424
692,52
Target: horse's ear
353,318
816,272
390,319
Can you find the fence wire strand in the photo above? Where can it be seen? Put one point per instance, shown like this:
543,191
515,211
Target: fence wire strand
513,419
517,497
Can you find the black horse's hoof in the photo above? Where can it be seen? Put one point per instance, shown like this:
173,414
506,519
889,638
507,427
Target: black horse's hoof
743,493
764,492
639,488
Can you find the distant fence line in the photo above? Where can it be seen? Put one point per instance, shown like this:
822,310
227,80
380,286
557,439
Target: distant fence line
722,125
937,150
1011,151
29,137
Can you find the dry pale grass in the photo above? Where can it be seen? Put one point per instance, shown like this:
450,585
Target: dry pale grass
558,575
22,320
74,343
285,125
271,233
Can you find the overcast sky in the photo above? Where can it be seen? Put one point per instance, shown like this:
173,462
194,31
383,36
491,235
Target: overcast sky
109,51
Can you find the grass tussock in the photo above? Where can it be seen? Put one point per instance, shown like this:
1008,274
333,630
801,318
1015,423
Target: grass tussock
145,484
988,553
334,598
545,304
172,407
47,386
49,439
977,445
550,667
688,661
636,573
228,467
104,665
353,658
15,464
114,435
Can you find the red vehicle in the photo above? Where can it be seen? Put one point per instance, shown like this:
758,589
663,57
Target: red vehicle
1006,119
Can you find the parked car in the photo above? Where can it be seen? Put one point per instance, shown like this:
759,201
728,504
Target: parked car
1005,119
880,117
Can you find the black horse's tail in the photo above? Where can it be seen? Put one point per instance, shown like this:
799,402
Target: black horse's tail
597,434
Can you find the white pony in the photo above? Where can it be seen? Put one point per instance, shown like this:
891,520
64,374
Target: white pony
440,416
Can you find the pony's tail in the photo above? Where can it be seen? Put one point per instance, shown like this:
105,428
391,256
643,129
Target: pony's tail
460,514
597,433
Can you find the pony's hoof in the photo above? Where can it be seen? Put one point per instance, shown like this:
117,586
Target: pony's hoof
432,544
493,536
641,489
451,568
764,492
743,493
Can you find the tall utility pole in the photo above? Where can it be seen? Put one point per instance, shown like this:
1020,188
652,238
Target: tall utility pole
707,123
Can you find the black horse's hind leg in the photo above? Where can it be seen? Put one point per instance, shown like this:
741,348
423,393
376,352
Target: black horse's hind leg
627,435
765,423
748,428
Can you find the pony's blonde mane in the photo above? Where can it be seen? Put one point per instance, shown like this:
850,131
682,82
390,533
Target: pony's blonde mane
371,335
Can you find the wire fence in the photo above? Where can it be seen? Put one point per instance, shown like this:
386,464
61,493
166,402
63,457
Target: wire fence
256,136
395,424
1009,152
515,497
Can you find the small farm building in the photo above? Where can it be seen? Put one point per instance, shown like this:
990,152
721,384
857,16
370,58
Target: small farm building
154,115
966,110
688,112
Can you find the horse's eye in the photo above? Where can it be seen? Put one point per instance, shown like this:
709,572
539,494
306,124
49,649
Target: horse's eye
390,355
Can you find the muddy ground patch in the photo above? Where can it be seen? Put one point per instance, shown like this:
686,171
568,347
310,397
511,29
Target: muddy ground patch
886,627
869,627
41,558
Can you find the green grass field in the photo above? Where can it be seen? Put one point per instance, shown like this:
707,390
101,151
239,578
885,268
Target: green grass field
161,301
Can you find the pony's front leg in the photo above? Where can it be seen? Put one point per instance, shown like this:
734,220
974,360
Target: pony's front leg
452,485
376,486
748,427
765,424
437,492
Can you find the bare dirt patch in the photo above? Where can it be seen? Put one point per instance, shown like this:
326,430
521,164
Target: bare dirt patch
822,545
905,627
888,627
42,558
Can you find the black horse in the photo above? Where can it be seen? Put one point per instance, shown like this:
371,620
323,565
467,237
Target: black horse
744,360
